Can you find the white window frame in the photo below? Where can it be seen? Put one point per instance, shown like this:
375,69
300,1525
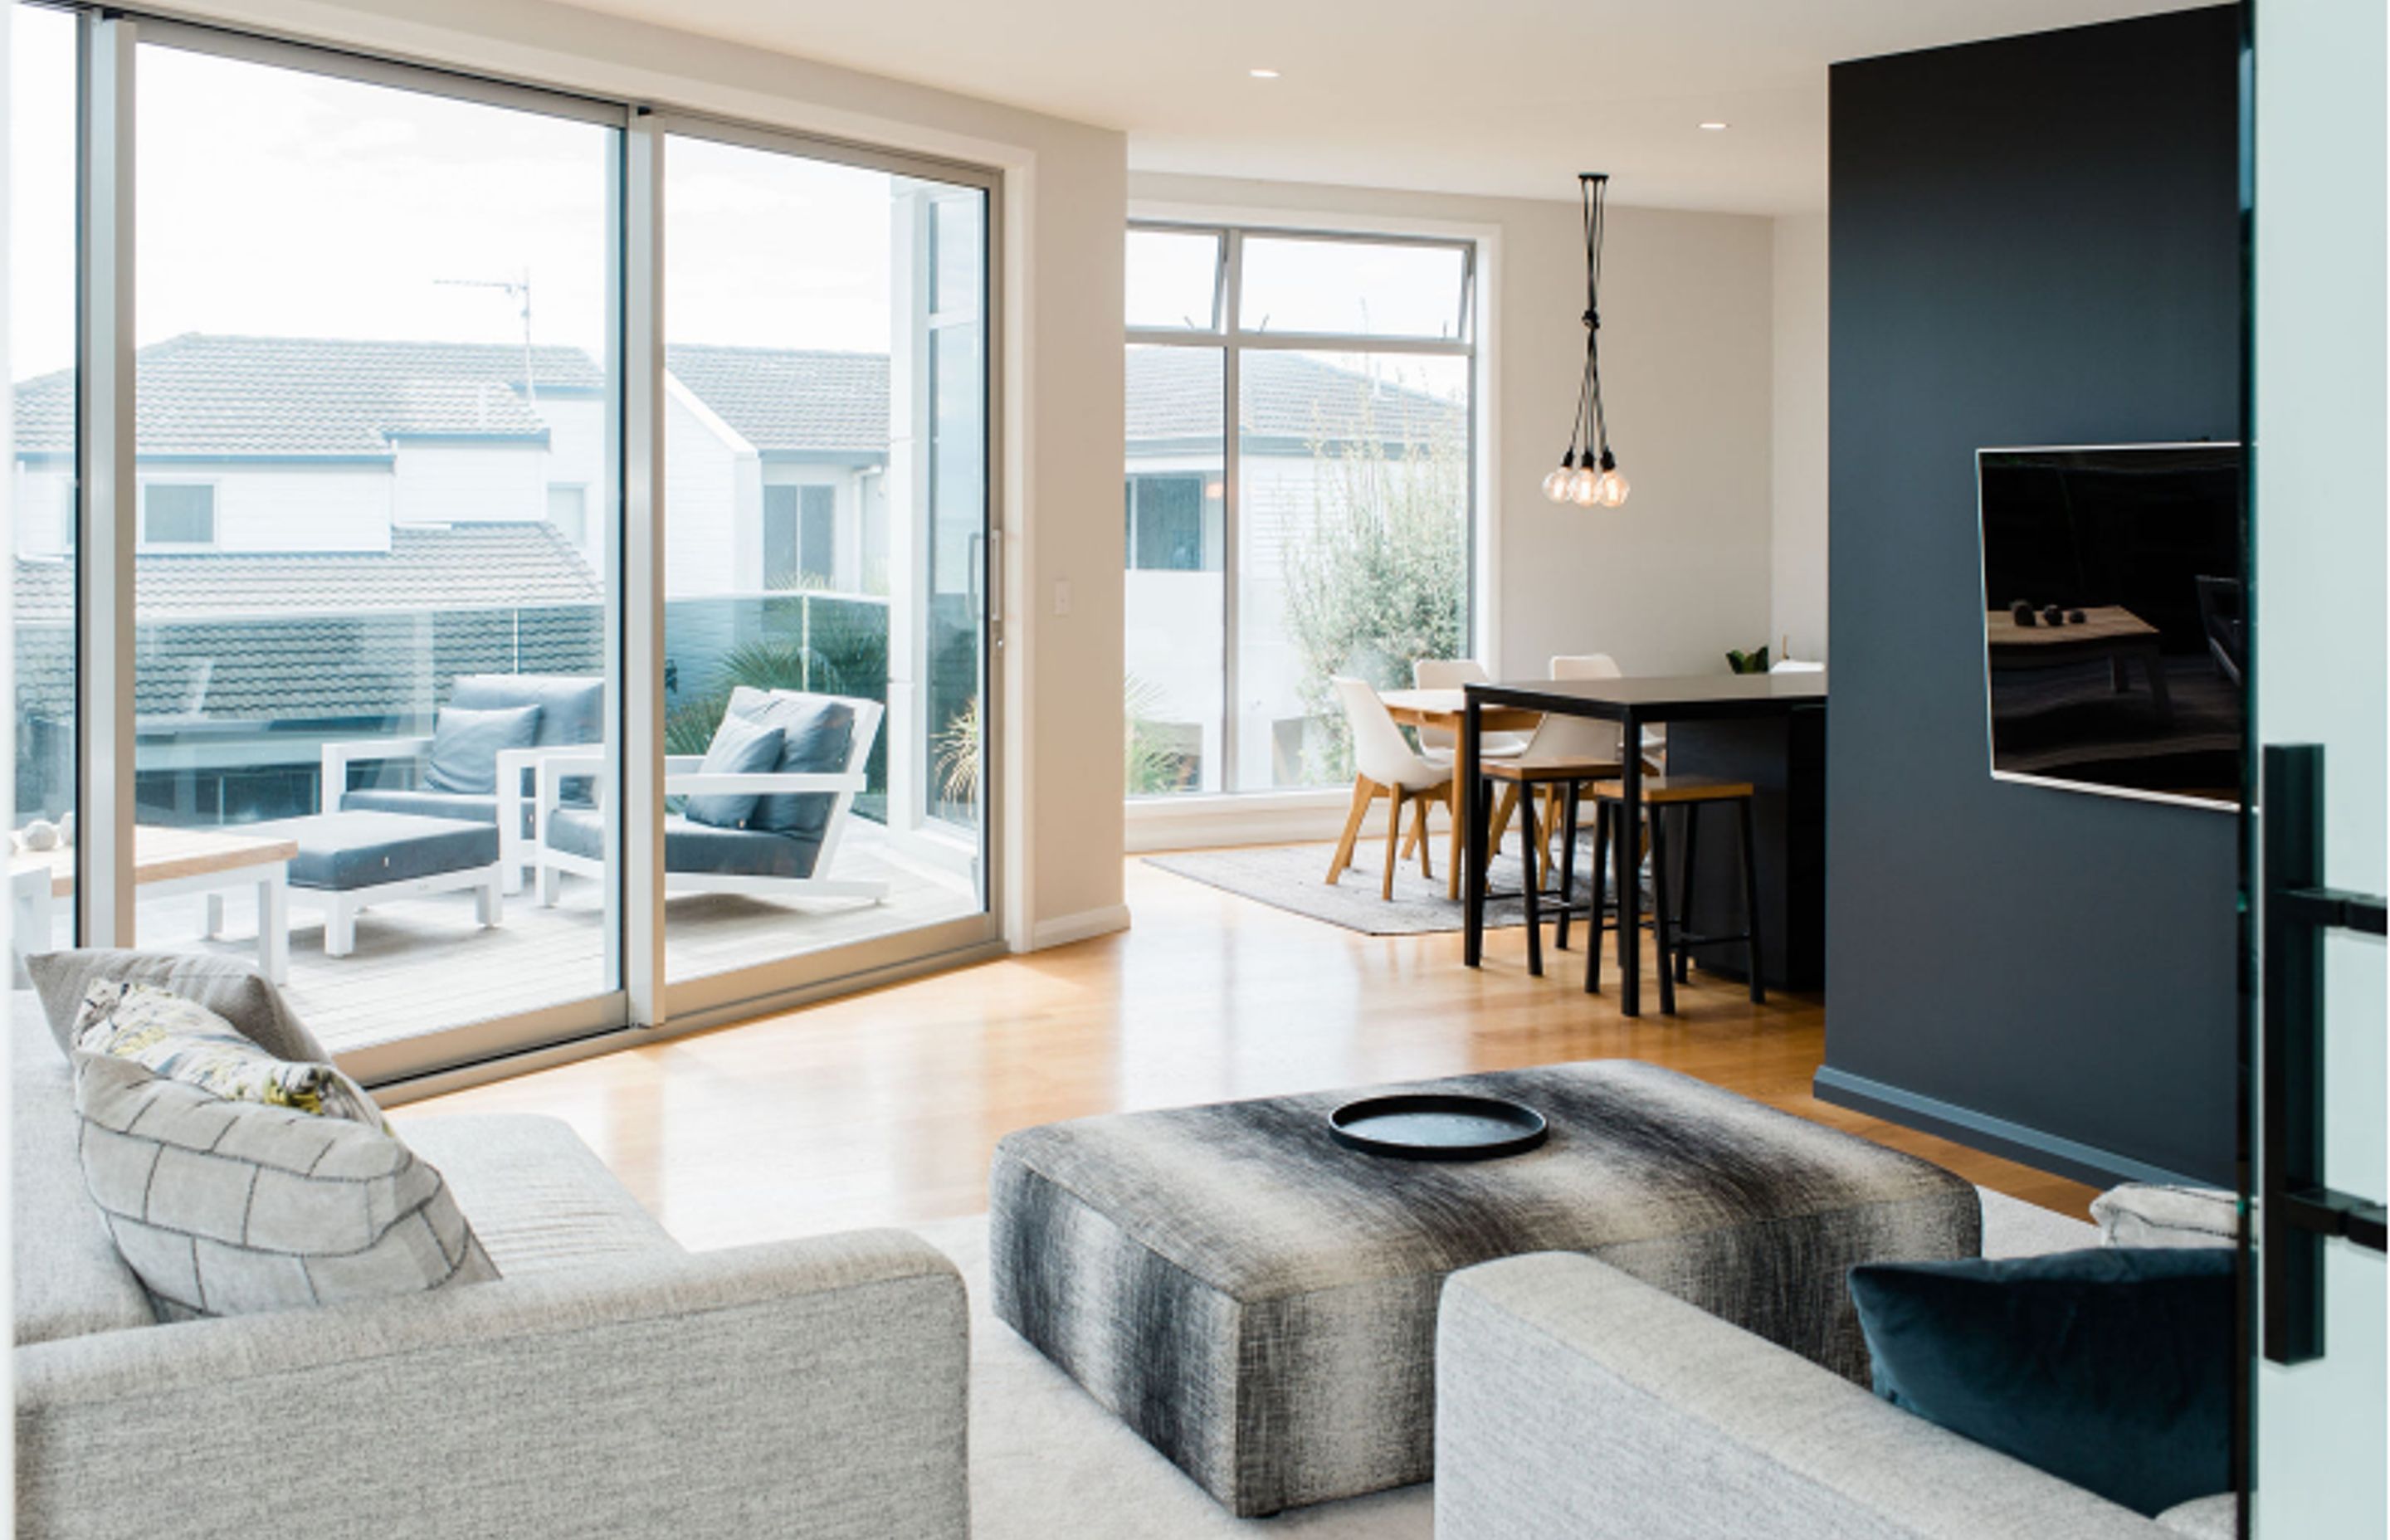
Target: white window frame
215,513
1267,815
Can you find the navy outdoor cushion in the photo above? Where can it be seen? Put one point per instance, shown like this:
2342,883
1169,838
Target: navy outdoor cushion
698,850
342,852
2109,1369
466,744
817,733
571,711
739,748
428,804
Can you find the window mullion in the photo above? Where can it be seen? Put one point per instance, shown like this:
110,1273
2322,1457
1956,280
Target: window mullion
107,500
1232,503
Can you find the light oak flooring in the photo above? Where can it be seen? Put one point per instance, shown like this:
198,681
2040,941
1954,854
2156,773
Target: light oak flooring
882,1109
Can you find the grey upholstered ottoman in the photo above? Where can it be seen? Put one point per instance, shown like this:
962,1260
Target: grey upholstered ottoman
348,861
1259,1302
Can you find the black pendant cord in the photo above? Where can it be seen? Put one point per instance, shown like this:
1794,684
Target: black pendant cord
1594,191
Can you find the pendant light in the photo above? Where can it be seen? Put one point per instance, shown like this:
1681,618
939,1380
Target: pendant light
1589,474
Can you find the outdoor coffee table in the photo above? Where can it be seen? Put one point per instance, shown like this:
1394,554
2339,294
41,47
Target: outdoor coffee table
170,861
1259,1302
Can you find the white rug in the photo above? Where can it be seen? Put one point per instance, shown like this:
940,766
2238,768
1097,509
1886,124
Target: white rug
1049,1464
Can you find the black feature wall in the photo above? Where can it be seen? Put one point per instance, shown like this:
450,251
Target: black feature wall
2035,242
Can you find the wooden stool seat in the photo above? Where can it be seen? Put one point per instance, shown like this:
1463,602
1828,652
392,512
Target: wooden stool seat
1659,790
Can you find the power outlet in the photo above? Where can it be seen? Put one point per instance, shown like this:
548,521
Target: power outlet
1061,595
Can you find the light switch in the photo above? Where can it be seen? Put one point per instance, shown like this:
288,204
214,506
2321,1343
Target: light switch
1061,595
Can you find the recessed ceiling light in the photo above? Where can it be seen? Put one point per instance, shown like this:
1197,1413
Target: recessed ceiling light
1716,127
1263,74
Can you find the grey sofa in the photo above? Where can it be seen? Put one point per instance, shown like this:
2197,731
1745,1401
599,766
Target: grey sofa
1575,1401
609,1384
571,716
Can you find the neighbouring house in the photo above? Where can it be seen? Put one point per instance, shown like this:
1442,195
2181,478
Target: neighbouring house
332,531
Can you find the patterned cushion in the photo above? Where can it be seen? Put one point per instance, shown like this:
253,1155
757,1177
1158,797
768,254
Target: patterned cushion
233,990
1259,1302
183,1040
229,1208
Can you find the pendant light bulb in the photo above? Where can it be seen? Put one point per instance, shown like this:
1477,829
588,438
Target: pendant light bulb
1556,485
1584,487
1611,489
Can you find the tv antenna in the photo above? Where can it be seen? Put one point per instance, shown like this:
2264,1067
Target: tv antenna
514,288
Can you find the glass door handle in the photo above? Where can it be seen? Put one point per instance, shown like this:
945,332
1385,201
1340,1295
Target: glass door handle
2297,1211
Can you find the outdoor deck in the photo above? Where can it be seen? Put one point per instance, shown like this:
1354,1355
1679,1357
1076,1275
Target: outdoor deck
422,965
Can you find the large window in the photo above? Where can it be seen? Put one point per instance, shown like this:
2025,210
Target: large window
462,425
1330,534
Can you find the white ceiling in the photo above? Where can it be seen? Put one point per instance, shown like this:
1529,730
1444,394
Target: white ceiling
1498,97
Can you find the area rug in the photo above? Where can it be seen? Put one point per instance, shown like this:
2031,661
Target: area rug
1294,877
1047,1463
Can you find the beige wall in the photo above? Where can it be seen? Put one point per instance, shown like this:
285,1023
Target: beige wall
1682,572
1065,191
1798,584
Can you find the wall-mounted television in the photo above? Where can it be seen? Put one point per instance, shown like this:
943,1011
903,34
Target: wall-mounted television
2115,636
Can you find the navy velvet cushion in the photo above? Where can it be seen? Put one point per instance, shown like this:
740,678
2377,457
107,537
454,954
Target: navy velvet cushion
465,745
2112,1368
739,748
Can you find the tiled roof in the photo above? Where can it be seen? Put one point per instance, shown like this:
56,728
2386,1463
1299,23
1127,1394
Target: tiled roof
331,635
1175,393
201,394
315,397
783,398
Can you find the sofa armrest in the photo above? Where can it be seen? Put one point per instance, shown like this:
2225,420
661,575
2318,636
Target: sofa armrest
1574,1400
338,756
811,1389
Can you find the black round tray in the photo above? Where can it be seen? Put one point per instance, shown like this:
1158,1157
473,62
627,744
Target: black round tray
1427,1126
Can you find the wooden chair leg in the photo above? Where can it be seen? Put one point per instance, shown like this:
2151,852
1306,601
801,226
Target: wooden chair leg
1364,790
1393,842
1420,805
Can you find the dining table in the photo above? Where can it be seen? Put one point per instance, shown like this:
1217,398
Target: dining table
1798,699
1441,711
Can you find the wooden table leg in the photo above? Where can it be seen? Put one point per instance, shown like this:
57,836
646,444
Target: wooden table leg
1472,797
1455,805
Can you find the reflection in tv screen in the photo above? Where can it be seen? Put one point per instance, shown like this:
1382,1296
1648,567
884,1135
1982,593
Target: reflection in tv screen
2113,632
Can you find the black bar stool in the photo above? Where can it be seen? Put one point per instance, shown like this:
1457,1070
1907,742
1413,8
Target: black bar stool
1561,781
1660,793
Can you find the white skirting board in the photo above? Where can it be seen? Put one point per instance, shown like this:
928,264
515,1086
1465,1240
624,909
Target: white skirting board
1063,929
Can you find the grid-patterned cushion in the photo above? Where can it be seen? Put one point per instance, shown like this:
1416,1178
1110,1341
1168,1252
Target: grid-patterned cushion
229,1208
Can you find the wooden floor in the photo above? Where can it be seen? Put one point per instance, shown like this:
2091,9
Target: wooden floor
422,964
882,1109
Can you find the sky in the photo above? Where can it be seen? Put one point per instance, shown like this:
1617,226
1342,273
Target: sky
273,203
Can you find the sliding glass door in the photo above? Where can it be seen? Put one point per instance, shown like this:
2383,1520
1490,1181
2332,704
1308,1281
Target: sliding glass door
371,577
375,618
825,562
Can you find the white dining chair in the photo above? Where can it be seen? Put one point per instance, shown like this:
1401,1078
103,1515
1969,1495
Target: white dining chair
1386,765
1602,665
1562,752
1451,674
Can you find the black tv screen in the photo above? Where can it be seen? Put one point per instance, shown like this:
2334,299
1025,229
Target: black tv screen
2113,632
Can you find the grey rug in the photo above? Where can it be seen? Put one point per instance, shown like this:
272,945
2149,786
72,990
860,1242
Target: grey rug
1294,877
1048,1464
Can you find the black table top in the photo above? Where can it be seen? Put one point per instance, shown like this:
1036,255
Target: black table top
1660,700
